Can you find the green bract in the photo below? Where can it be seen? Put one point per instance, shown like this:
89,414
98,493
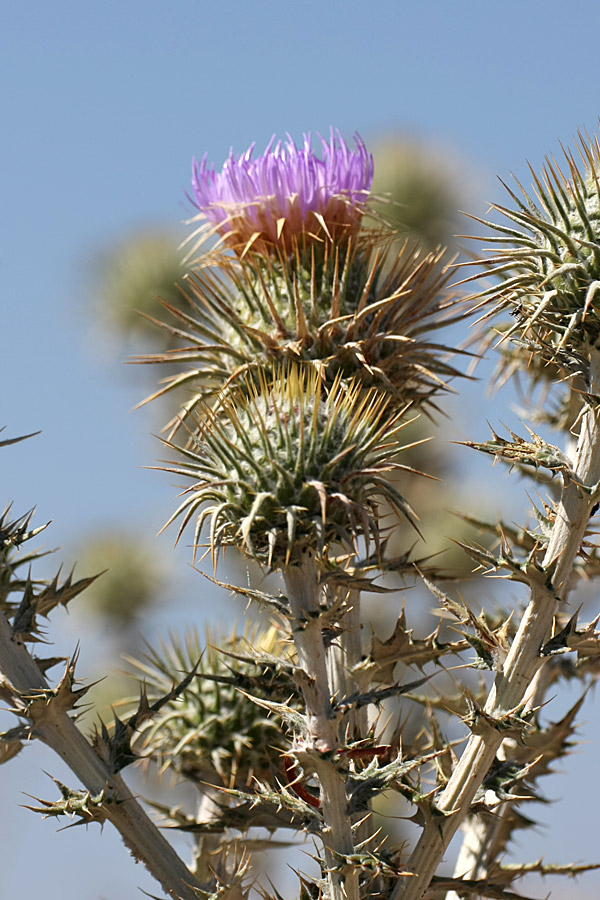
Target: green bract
213,732
283,461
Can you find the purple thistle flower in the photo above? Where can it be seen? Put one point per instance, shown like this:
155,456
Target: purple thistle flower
286,196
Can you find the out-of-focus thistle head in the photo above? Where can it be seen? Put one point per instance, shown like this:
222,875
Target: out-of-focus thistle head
214,732
129,277
286,198
548,261
283,462
415,187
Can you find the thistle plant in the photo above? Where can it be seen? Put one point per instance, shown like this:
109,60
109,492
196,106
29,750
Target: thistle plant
304,352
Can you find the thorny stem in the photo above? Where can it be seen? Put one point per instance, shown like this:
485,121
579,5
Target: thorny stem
482,839
303,593
345,653
523,661
207,860
485,837
56,729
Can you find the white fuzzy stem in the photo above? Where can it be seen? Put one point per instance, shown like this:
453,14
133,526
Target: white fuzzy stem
485,838
344,656
207,856
56,729
345,653
303,593
511,686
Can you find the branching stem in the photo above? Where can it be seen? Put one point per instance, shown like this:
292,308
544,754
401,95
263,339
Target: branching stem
523,661
58,730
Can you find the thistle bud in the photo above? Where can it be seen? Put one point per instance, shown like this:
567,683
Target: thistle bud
214,731
282,461
549,268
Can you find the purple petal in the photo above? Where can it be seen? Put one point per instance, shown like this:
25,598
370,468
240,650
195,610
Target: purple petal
286,178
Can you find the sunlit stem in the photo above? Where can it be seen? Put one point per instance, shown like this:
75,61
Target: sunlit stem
58,730
514,683
304,594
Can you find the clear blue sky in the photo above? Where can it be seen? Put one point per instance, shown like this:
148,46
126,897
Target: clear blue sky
103,106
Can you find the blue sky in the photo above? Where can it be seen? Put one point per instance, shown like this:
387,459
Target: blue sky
103,106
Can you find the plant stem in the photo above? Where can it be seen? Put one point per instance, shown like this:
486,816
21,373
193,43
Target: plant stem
208,861
303,593
523,661
57,729
345,653
485,837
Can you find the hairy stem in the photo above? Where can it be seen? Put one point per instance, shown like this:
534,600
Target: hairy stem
345,653
303,593
485,837
57,729
209,859
512,684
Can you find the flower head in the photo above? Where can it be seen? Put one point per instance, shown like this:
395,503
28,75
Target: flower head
286,196
212,731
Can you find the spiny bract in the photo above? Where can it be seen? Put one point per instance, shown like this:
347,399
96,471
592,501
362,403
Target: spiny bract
214,732
549,268
347,310
283,462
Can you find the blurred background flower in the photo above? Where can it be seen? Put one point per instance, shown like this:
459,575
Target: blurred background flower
129,277
421,189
